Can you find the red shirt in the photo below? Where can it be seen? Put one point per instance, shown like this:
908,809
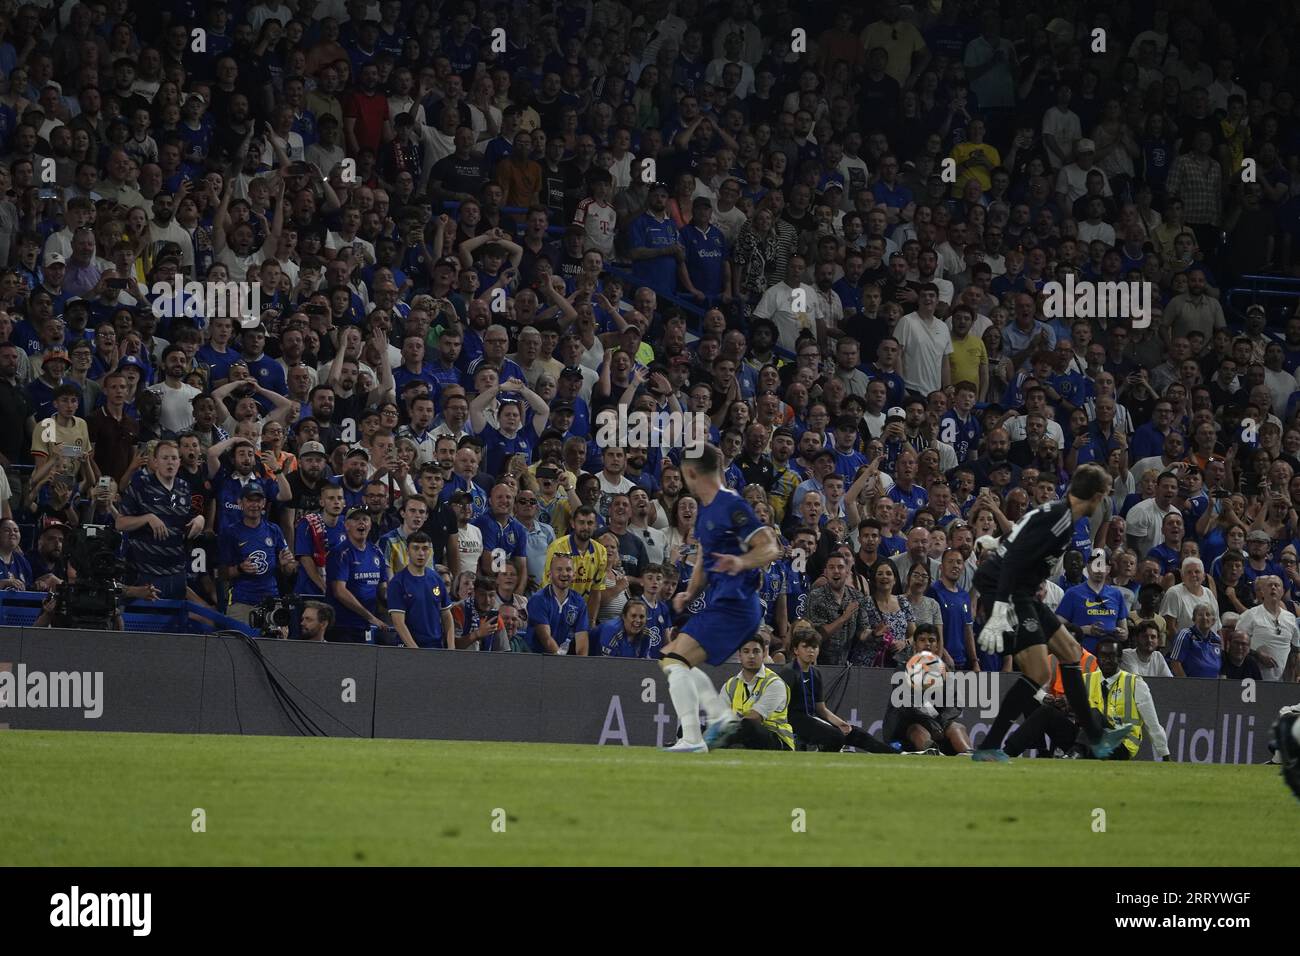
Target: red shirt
370,110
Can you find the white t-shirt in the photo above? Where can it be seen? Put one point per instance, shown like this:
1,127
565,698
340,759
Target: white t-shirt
1102,230
1145,520
777,304
1180,604
469,545
1016,430
655,541
1276,636
1156,665
177,413
1064,126
926,345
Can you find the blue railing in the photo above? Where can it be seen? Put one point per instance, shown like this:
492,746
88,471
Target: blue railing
21,608
1260,290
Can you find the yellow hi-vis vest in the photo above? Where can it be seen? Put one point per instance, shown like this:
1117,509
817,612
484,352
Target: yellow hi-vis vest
742,700
1120,704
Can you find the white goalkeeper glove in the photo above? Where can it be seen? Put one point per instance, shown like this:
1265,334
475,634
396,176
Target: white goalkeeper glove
992,637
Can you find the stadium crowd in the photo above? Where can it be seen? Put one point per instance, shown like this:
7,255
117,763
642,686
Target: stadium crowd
476,230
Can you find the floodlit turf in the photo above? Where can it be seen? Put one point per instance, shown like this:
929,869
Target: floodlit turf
127,799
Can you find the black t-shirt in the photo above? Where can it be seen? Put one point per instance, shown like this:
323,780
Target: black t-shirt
305,499
460,175
200,488
807,689
349,407
440,526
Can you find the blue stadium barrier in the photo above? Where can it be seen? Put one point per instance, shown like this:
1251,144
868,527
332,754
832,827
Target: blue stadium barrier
21,608
1260,290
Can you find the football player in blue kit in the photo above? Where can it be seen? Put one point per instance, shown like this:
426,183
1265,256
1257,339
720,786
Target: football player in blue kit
733,546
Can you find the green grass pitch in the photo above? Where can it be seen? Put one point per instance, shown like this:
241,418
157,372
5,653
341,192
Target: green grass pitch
83,799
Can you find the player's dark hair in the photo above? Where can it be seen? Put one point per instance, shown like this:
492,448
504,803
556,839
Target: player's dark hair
1089,481
708,462
925,629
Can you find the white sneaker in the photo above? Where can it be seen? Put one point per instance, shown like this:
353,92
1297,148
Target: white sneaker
683,747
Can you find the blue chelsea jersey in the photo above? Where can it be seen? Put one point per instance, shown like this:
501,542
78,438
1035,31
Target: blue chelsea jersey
725,526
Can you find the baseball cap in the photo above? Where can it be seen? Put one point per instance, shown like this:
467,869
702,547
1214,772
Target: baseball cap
252,490
311,448
831,181
55,355
1085,146
895,412
1061,27
461,497
56,259
1256,308
561,406
356,451
571,371
130,361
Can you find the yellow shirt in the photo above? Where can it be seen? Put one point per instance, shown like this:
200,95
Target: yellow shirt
589,566
71,442
968,355
900,40
964,151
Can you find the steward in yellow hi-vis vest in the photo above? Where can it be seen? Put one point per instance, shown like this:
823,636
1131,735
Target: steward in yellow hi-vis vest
1124,698
762,699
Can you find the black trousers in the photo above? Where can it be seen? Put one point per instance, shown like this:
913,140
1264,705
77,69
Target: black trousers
814,730
1058,726
1047,719
754,736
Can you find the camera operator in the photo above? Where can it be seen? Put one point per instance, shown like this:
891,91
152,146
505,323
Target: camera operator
50,560
250,552
316,619
50,614
156,515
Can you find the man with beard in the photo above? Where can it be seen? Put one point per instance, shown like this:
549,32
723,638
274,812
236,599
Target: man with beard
228,480
165,229
587,556
356,466
321,402
997,450
176,398
308,480
654,246
49,563
365,116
